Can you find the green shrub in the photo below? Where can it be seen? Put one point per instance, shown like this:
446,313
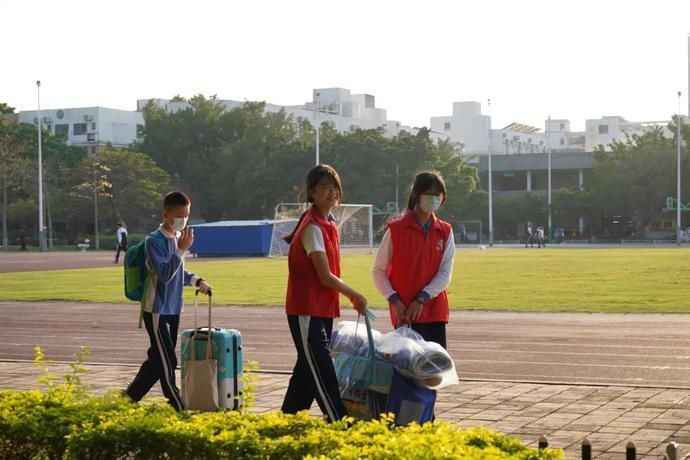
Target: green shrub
35,424
67,422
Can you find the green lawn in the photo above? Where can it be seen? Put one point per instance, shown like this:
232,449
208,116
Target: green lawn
596,280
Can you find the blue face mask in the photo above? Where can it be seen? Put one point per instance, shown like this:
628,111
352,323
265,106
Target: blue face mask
429,203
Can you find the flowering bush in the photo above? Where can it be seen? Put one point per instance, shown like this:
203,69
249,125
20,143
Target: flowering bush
67,422
35,424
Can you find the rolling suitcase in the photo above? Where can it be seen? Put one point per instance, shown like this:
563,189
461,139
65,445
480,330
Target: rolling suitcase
226,351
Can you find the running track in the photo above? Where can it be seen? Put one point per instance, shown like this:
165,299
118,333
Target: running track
639,350
629,349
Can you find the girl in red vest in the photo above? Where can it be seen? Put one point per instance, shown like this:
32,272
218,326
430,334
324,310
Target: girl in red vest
312,301
415,260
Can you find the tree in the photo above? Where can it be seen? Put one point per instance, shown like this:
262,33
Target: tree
129,183
635,178
238,163
10,150
5,109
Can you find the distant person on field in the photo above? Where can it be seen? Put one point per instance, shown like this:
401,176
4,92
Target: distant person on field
162,302
540,237
22,240
312,299
560,235
121,244
530,236
414,262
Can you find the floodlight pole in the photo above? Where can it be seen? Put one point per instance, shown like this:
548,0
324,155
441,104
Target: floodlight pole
490,173
316,123
548,157
41,236
678,202
397,189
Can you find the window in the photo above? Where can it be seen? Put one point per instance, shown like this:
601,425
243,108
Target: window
93,126
603,129
446,126
91,137
562,141
79,129
562,126
62,130
93,150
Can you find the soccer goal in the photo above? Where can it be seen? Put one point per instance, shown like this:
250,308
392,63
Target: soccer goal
355,226
469,231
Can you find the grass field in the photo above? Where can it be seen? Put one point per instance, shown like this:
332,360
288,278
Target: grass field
583,280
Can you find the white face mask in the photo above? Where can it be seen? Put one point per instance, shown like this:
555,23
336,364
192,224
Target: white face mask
179,223
429,203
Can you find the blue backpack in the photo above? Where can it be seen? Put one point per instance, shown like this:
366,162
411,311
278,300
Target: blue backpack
136,270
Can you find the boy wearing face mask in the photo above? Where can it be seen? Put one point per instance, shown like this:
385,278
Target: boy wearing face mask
162,303
415,261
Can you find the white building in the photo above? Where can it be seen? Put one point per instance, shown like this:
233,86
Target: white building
466,126
603,131
470,129
338,106
90,127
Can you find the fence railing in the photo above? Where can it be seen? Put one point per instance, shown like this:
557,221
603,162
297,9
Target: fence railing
672,449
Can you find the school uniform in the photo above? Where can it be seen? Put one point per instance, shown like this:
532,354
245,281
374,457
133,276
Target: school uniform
162,305
415,261
310,308
121,242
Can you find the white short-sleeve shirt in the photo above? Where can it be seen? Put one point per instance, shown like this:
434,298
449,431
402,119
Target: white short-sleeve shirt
312,239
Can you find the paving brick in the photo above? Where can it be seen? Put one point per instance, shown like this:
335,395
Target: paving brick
608,416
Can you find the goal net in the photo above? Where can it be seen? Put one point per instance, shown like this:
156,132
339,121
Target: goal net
354,226
469,231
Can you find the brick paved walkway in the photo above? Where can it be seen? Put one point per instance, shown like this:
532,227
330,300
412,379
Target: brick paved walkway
609,416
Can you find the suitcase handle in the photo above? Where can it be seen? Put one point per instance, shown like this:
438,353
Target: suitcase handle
209,337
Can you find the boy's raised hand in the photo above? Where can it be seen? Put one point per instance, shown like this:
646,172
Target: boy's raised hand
186,239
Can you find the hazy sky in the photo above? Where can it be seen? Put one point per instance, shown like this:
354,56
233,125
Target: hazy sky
570,59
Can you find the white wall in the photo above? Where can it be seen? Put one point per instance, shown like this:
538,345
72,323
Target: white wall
103,125
469,127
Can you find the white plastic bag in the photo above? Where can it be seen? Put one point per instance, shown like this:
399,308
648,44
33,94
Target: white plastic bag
351,337
427,363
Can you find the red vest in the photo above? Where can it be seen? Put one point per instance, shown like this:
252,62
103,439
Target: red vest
416,260
305,293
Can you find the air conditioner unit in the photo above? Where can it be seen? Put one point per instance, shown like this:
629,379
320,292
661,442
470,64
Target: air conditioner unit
88,118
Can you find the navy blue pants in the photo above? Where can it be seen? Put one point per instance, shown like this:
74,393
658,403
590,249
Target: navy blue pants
432,332
161,362
118,249
314,374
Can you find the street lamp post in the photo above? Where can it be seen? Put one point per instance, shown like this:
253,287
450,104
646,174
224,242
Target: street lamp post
316,123
41,237
96,183
678,202
490,173
397,189
548,166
